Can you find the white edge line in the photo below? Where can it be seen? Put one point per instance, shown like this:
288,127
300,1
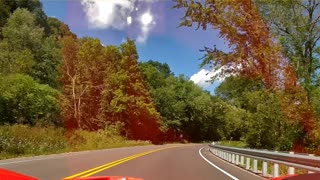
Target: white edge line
28,160
223,171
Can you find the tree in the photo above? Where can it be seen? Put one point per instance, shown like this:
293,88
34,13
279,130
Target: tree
58,28
267,126
233,88
34,6
296,24
24,49
253,51
91,64
155,73
69,79
21,39
125,96
82,74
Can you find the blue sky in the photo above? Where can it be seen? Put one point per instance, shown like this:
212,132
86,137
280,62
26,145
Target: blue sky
153,24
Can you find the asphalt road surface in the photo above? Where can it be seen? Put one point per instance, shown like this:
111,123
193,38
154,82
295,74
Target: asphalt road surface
154,162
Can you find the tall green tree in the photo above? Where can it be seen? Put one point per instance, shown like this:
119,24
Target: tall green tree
24,49
296,23
126,98
82,74
9,6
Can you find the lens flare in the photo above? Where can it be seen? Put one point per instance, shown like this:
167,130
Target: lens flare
146,19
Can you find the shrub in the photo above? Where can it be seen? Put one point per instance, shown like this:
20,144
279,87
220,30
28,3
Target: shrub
23,100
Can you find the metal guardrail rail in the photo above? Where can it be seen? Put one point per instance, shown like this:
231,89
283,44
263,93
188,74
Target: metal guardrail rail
237,155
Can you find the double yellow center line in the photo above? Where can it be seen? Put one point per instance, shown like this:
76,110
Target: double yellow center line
98,169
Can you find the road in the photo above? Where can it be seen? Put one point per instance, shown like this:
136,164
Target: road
153,162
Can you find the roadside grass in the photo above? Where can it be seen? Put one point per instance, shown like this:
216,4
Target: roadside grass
239,144
24,141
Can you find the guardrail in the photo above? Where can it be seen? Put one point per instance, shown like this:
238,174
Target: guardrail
239,155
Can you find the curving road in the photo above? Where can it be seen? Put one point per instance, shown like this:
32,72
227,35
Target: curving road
161,162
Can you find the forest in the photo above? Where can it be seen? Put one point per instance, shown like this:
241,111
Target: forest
53,81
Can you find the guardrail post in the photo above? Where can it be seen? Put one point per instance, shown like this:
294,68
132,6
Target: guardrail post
247,163
229,157
309,172
233,158
275,170
264,168
291,169
237,159
255,166
242,160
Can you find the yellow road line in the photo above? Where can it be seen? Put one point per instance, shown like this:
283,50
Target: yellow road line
93,169
98,169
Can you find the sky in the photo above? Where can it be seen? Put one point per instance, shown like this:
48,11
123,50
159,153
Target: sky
153,24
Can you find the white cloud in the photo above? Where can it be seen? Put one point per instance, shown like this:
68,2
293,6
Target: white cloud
142,38
129,20
202,77
107,13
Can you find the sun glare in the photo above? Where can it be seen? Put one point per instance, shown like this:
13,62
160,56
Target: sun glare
146,19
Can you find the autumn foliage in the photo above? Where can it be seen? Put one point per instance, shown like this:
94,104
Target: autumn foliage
255,53
103,85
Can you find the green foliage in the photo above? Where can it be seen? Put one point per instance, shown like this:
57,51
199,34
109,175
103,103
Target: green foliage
22,100
24,49
184,107
267,126
315,100
233,88
58,28
7,7
22,32
255,115
125,95
155,73
296,24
